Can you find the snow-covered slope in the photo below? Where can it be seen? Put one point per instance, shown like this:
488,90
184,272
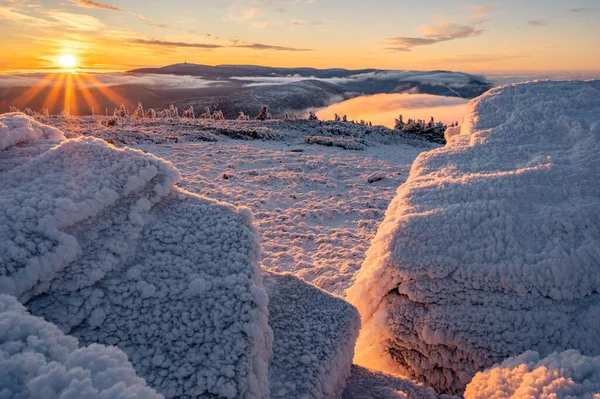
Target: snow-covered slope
559,375
101,243
314,335
492,246
38,361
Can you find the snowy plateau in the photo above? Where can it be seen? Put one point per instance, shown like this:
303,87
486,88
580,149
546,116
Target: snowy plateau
192,258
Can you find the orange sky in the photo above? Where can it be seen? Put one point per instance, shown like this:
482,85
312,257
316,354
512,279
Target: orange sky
442,34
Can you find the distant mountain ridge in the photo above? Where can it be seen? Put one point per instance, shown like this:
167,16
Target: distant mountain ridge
360,81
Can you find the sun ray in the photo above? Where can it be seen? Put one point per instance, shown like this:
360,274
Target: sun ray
49,80
53,95
84,90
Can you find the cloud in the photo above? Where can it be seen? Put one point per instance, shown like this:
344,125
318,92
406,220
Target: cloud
260,46
107,80
96,5
80,22
175,44
583,9
480,13
101,6
537,22
432,34
235,44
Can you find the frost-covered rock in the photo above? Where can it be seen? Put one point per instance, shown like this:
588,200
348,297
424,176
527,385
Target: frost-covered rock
492,246
38,361
314,335
17,128
559,375
100,242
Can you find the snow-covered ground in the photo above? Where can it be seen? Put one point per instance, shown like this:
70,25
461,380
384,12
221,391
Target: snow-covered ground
313,204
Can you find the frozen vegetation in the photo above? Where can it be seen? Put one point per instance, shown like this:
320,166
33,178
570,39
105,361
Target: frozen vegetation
491,247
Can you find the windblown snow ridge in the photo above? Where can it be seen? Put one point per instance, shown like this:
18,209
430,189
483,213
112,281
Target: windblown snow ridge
492,246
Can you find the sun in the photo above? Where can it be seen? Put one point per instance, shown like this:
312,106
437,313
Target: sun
67,61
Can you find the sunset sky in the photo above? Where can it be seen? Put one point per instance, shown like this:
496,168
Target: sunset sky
428,34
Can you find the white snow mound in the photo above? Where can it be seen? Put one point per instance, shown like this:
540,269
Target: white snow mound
100,242
38,361
492,246
559,375
17,128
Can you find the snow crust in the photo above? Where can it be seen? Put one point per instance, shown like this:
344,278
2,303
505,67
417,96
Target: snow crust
314,336
38,361
559,375
492,245
17,128
100,242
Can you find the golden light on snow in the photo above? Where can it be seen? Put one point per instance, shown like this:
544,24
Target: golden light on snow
67,61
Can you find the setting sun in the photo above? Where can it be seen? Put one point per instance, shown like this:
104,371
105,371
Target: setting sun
67,61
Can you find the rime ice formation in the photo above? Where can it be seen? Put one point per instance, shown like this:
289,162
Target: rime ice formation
101,243
559,375
38,361
314,335
16,128
492,246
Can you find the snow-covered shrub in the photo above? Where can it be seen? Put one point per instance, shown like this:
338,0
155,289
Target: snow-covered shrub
139,111
491,247
100,242
173,112
151,113
559,375
243,117
312,116
121,112
37,360
347,143
188,113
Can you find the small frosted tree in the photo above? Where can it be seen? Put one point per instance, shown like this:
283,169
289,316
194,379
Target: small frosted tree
139,111
399,125
173,111
151,113
312,116
188,113
243,117
121,112
337,118
344,118
263,114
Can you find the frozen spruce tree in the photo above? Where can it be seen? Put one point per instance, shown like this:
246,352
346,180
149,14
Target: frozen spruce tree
337,118
188,113
263,114
151,113
173,111
312,116
139,111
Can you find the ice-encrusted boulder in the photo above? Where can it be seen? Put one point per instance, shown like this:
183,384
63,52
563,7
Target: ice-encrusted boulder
492,246
100,242
314,336
38,361
559,375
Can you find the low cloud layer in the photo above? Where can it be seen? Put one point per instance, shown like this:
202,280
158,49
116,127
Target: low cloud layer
382,109
107,80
